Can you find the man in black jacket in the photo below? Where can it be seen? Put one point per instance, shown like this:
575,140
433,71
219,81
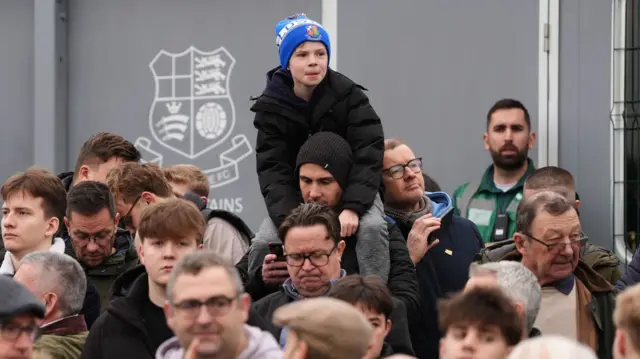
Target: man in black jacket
134,326
323,164
314,254
304,96
441,245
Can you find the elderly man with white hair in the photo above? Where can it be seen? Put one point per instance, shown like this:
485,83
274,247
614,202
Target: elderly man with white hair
517,282
59,282
551,347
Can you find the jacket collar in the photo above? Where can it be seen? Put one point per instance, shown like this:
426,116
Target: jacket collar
65,326
589,277
124,252
7,264
488,185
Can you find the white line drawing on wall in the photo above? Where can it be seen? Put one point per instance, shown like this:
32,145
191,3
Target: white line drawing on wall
143,145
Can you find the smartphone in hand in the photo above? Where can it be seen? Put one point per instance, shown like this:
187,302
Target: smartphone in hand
277,249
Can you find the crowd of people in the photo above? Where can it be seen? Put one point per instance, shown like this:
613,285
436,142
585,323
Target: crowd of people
361,256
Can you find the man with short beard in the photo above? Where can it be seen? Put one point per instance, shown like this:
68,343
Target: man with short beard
491,203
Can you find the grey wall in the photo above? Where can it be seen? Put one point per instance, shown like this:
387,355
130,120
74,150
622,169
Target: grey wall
111,87
434,68
16,86
585,58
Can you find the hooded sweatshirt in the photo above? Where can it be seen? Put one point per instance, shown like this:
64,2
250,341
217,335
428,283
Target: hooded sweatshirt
7,265
261,345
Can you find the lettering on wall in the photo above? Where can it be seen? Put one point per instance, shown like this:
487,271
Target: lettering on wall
192,114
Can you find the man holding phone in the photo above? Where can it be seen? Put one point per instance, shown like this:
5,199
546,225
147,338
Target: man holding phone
442,245
322,165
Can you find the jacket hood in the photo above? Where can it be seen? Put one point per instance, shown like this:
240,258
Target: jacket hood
67,179
589,277
280,87
127,308
124,283
6,268
440,203
170,349
261,345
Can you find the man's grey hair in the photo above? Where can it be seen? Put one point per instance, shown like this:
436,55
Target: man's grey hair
194,263
545,201
62,275
551,347
517,282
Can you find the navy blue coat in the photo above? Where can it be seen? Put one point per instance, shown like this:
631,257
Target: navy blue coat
631,275
444,269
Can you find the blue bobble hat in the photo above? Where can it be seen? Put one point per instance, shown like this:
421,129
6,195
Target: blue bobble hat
295,30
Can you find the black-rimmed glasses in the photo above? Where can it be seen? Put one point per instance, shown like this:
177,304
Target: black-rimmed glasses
12,332
559,246
216,306
317,259
398,171
126,221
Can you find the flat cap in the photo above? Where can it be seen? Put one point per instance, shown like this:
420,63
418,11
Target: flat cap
331,327
15,300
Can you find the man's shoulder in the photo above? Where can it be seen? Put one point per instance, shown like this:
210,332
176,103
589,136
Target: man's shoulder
460,189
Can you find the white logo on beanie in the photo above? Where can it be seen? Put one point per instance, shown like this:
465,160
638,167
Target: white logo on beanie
292,25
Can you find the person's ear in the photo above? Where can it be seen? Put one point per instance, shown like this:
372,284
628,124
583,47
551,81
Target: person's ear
52,226
83,173
50,303
205,199
521,242
66,222
532,139
148,197
485,140
387,327
578,203
168,313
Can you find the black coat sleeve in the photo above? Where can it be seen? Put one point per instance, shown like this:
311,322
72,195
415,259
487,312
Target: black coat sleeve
275,173
93,344
91,305
256,287
399,337
403,281
631,275
366,137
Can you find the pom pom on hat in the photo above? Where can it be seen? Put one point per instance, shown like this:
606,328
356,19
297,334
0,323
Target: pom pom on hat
295,30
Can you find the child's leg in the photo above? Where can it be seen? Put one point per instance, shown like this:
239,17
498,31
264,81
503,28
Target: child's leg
372,246
267,233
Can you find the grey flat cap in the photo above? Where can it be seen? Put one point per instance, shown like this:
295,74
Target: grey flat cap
15,300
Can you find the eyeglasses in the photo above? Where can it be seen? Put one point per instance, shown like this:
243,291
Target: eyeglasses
11,332
555,248
398,171
99,238
126,221
216,306
316,259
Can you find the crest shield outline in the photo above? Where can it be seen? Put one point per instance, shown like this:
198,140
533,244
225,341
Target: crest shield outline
192,110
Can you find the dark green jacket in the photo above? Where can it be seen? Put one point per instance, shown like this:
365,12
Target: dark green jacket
601,306
481,202
103,276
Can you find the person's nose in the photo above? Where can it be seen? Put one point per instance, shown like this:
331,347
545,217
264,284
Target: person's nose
314,192
23,342
92,246
169,250
8,221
